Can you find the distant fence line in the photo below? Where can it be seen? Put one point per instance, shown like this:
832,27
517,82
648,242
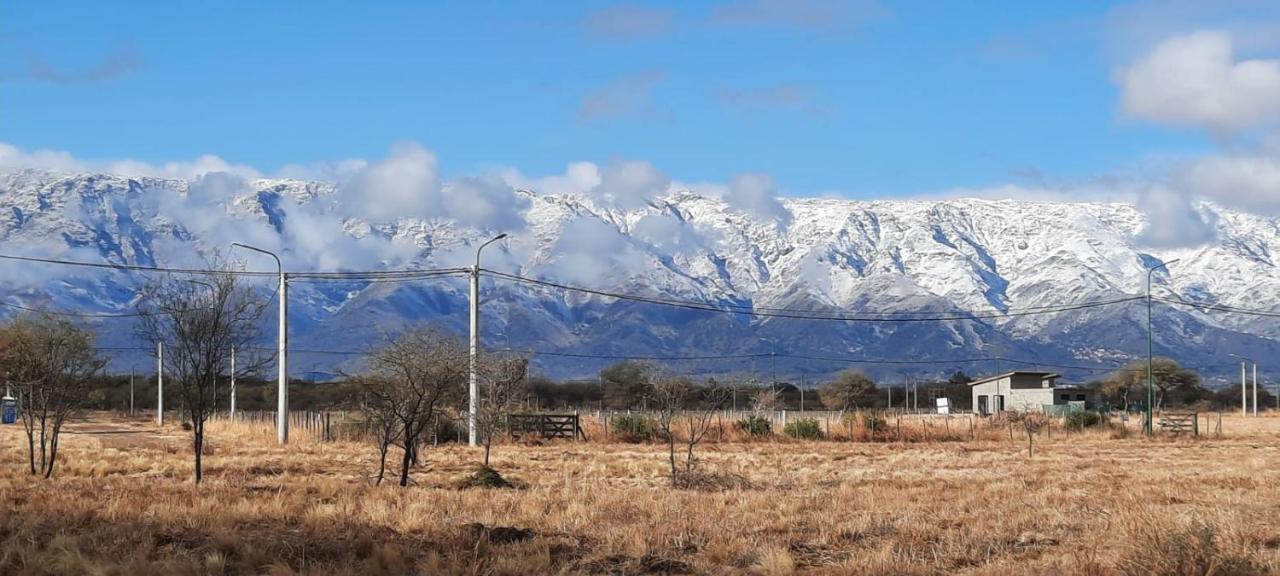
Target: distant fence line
351,426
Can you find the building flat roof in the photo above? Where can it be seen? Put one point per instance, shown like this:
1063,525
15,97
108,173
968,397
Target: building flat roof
1042,375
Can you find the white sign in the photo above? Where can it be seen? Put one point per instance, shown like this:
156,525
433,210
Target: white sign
944,406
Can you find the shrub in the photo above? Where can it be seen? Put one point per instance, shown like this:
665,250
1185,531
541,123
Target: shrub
803,429
755,425
1081,419
874,422
633,428
484,477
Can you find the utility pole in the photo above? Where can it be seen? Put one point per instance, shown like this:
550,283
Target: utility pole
130,392
160,383
282,341
473,390
1149,424
802,392
1255,389
1244,389
233,383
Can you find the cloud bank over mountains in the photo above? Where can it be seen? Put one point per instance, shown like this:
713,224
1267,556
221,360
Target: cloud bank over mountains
1192,80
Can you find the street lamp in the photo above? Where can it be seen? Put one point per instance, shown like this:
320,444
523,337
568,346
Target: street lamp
1244,393
473,393
1150,351
282,362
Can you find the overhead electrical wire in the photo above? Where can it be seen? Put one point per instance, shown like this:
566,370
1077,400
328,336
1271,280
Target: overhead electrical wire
376,274
1220,307
806,315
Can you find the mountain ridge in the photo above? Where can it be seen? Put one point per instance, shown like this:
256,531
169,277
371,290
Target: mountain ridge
973,256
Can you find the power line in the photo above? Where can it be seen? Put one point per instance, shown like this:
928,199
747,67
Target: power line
131,267
371,274
73,314
1221,308
798,315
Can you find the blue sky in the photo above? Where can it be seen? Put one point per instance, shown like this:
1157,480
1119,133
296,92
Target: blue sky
854,98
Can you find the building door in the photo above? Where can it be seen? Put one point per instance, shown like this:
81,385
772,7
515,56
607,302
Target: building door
999,403
982,405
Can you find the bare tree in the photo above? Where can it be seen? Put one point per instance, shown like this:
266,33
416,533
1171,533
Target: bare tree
669,394
200,320
678,401
767,399
503,379
412,379
710,400
52,363
380,413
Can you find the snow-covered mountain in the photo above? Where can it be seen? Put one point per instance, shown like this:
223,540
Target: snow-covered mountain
897,261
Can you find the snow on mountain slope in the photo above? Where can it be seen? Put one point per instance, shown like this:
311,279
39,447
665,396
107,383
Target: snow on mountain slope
879,257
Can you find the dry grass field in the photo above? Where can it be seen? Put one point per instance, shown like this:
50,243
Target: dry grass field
122,502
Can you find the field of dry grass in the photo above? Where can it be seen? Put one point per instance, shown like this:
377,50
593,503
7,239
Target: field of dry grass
122,502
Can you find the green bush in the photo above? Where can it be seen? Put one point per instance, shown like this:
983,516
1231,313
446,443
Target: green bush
874,422
1081,419
633,428
803,429
755,425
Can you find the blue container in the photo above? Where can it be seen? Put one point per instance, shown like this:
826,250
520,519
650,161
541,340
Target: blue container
10,410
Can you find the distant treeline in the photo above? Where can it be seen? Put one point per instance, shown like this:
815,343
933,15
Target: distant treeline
623,386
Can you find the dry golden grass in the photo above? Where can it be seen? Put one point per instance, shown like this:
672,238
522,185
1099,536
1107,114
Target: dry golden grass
122,502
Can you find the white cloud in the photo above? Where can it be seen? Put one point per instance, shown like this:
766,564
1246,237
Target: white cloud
757,195
1195,80
589,250
1247,181
674,235
12,157
630,185
407,184
1173,220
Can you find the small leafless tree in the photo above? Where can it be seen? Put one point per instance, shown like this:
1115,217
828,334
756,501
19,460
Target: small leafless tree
52,362
380,413
503,379
1030,421
200,320
709,400
409,381
767,399
680,401
669,395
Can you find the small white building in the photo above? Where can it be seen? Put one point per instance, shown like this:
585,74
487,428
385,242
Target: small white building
1024,391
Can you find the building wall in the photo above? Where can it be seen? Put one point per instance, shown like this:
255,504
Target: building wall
1015,397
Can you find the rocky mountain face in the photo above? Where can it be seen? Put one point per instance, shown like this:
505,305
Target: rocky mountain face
933,286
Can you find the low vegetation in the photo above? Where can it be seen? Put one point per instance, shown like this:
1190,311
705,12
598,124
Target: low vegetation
1087,503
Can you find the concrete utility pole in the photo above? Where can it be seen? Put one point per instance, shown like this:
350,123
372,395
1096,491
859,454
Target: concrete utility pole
233,383
282,358
1151,396
1244,384
1244,389
160,383
473,390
